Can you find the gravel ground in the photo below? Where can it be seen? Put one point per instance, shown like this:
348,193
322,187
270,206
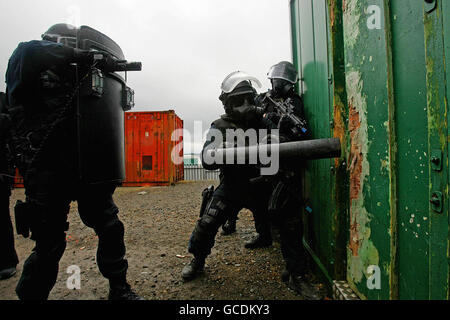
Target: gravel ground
158,223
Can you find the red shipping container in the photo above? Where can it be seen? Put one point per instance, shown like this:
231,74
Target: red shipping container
18,180
153,148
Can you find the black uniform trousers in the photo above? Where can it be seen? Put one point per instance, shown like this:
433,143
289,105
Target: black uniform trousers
287,217
226,200
257,205
51,195
8,255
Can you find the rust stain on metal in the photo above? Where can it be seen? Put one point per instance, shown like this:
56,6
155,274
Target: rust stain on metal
362,251
339,126
355,152
355,173
332,5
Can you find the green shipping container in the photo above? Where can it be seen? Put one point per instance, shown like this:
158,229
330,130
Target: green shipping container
376,73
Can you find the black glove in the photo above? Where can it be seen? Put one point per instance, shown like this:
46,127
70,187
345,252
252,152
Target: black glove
273,117
286,126
247,113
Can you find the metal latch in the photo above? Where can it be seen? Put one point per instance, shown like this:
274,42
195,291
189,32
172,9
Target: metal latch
97,83
127,98
436,201
436,160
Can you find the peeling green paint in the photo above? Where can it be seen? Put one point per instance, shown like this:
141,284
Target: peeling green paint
352,16
370,157
362,253
390,110
367,252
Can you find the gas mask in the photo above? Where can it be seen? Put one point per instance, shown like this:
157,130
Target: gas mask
281,87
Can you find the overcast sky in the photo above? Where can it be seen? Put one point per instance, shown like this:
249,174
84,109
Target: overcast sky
187,47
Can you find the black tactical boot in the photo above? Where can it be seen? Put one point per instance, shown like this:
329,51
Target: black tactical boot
229,227
259,242
194,268
7,273
123,292
302,287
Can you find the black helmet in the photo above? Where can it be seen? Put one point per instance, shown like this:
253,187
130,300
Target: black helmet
62,33
283,70
236,98
236,84
243,88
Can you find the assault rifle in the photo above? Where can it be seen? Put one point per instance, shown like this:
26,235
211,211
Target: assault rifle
286,109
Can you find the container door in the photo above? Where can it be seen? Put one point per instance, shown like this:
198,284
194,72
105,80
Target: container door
151,141
446,24
408,54
437,106
396,91
422,157
311,56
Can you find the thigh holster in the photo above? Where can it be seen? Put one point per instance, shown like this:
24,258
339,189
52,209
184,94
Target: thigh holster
207,195
202,238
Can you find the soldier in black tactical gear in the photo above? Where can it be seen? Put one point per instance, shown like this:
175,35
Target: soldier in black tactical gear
285,201
8,255
236,188
44,80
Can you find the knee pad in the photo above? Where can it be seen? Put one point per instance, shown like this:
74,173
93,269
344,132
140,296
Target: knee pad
202,238
215,214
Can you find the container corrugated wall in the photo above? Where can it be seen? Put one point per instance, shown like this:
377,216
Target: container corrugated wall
375,74
153,148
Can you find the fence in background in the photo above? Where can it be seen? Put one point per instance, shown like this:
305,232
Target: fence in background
198,173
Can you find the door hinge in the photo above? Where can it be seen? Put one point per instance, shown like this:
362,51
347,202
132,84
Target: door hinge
436,160
436,201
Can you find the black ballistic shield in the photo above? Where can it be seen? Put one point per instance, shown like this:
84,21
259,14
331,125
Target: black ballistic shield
101,106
